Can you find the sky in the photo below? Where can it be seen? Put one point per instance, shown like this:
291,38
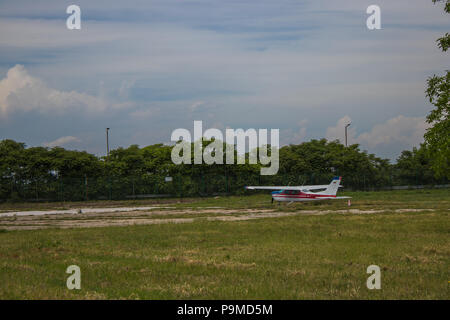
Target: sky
146,68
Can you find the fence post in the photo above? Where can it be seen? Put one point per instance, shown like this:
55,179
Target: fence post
61,186
203,183
390,179
36,189
226,181
109,187
85,187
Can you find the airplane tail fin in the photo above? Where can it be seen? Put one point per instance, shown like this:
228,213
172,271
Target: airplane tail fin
333,187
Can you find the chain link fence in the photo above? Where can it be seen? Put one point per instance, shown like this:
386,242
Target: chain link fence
152,186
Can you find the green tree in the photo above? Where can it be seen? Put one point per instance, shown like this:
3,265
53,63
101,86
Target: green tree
12,167
437,136
414,167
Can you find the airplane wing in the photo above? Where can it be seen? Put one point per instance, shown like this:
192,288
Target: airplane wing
287,187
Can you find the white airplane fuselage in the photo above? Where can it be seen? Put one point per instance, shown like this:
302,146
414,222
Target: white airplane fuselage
303,193
293,195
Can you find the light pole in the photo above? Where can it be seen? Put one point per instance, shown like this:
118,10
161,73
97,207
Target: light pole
348,125
107,143
107,160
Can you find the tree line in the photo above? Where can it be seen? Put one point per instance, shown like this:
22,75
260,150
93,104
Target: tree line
40,173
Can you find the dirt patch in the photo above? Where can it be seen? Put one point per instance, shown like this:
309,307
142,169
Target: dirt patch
25,206
133,216
413,210
75,211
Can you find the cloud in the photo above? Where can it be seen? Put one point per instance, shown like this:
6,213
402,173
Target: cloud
338,132
146,113
125,88
405,130
396,133
196,106
61,141
292,136
233,63
19,91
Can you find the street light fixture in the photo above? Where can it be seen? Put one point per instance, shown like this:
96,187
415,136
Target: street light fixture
107,143
348,125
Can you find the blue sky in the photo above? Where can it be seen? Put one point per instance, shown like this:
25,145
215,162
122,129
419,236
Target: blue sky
145,68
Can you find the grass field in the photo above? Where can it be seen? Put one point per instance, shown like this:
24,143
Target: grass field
317,251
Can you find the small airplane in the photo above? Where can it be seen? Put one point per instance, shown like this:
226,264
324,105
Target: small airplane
304,193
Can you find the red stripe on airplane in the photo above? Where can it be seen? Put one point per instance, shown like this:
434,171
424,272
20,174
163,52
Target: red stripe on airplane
303,196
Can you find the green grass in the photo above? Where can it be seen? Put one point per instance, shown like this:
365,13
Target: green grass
399,199
297,257
427,198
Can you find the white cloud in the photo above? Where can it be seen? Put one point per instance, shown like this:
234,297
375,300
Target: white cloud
400,131
294,136
405,130
19,91
146,113
196,106
125,88
240,64
61,141
338,132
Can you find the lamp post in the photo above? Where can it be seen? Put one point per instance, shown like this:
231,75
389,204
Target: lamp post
346,133
107,159
107,143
